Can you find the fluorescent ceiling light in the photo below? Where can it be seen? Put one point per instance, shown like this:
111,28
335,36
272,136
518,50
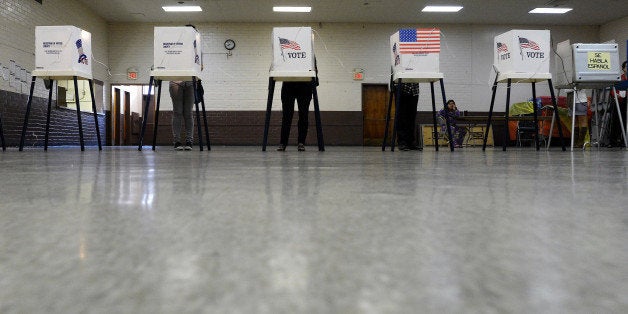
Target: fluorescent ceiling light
183,8
551,10
292,9
442,8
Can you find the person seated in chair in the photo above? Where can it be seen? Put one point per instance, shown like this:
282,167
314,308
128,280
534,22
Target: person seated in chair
450,114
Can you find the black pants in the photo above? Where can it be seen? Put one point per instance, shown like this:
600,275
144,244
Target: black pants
615,136
302,92
406,122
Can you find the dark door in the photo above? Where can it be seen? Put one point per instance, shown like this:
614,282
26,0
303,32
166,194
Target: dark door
374,106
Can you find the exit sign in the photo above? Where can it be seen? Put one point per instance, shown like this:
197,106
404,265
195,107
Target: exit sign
358,74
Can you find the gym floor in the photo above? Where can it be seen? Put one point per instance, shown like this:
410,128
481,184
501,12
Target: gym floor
348,230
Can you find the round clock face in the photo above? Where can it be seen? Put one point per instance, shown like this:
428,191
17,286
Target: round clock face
229,44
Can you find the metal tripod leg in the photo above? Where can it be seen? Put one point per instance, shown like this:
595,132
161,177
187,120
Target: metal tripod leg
28,112
145,117
158,88
269,104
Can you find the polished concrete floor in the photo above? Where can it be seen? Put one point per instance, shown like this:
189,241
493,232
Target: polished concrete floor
349,230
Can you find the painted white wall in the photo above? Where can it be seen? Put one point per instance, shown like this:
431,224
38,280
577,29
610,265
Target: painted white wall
618,31
18,19
240,81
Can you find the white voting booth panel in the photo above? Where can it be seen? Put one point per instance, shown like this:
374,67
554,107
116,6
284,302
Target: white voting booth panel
414,54
293,54
62,51
523,54
177,52
587,63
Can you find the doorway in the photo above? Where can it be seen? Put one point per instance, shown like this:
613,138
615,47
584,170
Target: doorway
374,106
125,120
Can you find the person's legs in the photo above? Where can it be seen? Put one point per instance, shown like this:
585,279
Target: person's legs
176,94
303,101
614,136
461,132
407,119
287,107
188,105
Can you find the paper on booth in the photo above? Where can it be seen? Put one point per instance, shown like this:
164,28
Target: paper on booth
293,55
177,53
62,51
523,54
415,53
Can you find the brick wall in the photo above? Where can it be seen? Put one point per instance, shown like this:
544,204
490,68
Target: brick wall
247,128
63,122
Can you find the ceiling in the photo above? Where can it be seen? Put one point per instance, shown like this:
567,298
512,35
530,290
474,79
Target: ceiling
511,12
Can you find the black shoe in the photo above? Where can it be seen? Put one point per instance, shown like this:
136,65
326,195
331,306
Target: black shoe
301,147
178,146
281,148
414,147
404,148
188,145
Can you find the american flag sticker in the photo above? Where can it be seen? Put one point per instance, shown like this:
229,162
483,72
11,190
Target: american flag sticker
526,43
419,41
288,44
501,47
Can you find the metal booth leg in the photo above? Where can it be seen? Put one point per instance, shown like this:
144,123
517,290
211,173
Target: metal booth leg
536,119
158,89
490,114
198,115
202,100
317,116
48,115
145,117
560,129
435,133
4,147
91,91
506,127
28,112
397,102
78,113
451,138
269,104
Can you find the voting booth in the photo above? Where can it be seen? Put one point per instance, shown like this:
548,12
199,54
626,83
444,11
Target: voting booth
414,53
293,60
414,58
522,56
293,55
177,52
177,56
62,52
594,66
587,63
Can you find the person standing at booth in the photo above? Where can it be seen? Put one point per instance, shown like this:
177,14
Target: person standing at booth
302,93
406,117
182,95
615,137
